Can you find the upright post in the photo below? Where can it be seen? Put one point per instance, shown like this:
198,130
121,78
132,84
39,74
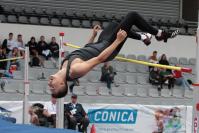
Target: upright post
195,121
26,87
60,103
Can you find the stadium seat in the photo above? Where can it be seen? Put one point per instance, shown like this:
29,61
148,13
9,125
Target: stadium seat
60,12
104,91
142,79
96,23
130,90
153,92
142,91
142,69
12,19
117,91
79,90
188,93
131,56
50,11
76,23
99,15
130,67
94,76
89,14
3,18
18,75
11,87
192,61
28,10
183,61
86,24
120,67
66,22
98,67
105,24
38,87
49,64
177,92
23,19
20,87
40,11
8,9
141,57
131,79
34,73
173,60
120,78
165,92
34,20
55,21
44,21
91,90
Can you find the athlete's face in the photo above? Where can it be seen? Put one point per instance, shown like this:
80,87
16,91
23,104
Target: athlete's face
57,84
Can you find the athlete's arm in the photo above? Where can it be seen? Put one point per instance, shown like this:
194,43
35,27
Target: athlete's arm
80,69
96,28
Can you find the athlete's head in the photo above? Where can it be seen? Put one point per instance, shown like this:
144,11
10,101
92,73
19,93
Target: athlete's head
58,84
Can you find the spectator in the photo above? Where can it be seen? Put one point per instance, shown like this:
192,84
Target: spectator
155,78
181,80
2,56
9,44
36,115
153,59
167,77
75,114
20,45
74,83
107,74
54,48
43,50
36,60
32,46
50,111
16,63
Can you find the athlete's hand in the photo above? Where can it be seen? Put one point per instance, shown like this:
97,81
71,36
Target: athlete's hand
121,35
96,28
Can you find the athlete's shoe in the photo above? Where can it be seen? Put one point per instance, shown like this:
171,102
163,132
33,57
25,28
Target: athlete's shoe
166,35
147,41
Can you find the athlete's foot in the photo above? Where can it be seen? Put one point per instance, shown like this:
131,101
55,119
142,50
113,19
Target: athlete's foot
147,40
166,35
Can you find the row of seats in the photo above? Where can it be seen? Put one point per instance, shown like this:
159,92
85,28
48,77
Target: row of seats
97,89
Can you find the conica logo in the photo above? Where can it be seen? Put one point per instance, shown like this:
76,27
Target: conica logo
113,116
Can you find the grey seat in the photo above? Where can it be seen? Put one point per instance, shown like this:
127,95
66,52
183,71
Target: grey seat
104,91
165,93
173,60
192,61
29,10
120,67
130,79
188,93
117,91
153,92
12,19
91,91
2,18
183,61
79,90
142,91
34,73
34,20
130,67
177,93
99,15
23,19
95,23
130,90
20,87
60,12
98,67
55,21
105,24
38,87
141,57
11,87
50,11
18,75
86,24
131,56
94,76
142,69
120,78
44,21
76,23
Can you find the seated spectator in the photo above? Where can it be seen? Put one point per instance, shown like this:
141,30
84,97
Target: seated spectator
153,59
36,60
74,83
36,115
108,74
54,48
44,51
32,46
20,45
9,44
15,63
167,77
50,111
181,80
163,61
75,113
155,78
2,56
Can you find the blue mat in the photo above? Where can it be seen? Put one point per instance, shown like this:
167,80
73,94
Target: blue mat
7,127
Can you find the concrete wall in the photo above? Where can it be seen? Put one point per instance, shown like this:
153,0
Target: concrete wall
182,46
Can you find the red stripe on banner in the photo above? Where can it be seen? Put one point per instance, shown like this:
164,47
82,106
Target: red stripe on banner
196,84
